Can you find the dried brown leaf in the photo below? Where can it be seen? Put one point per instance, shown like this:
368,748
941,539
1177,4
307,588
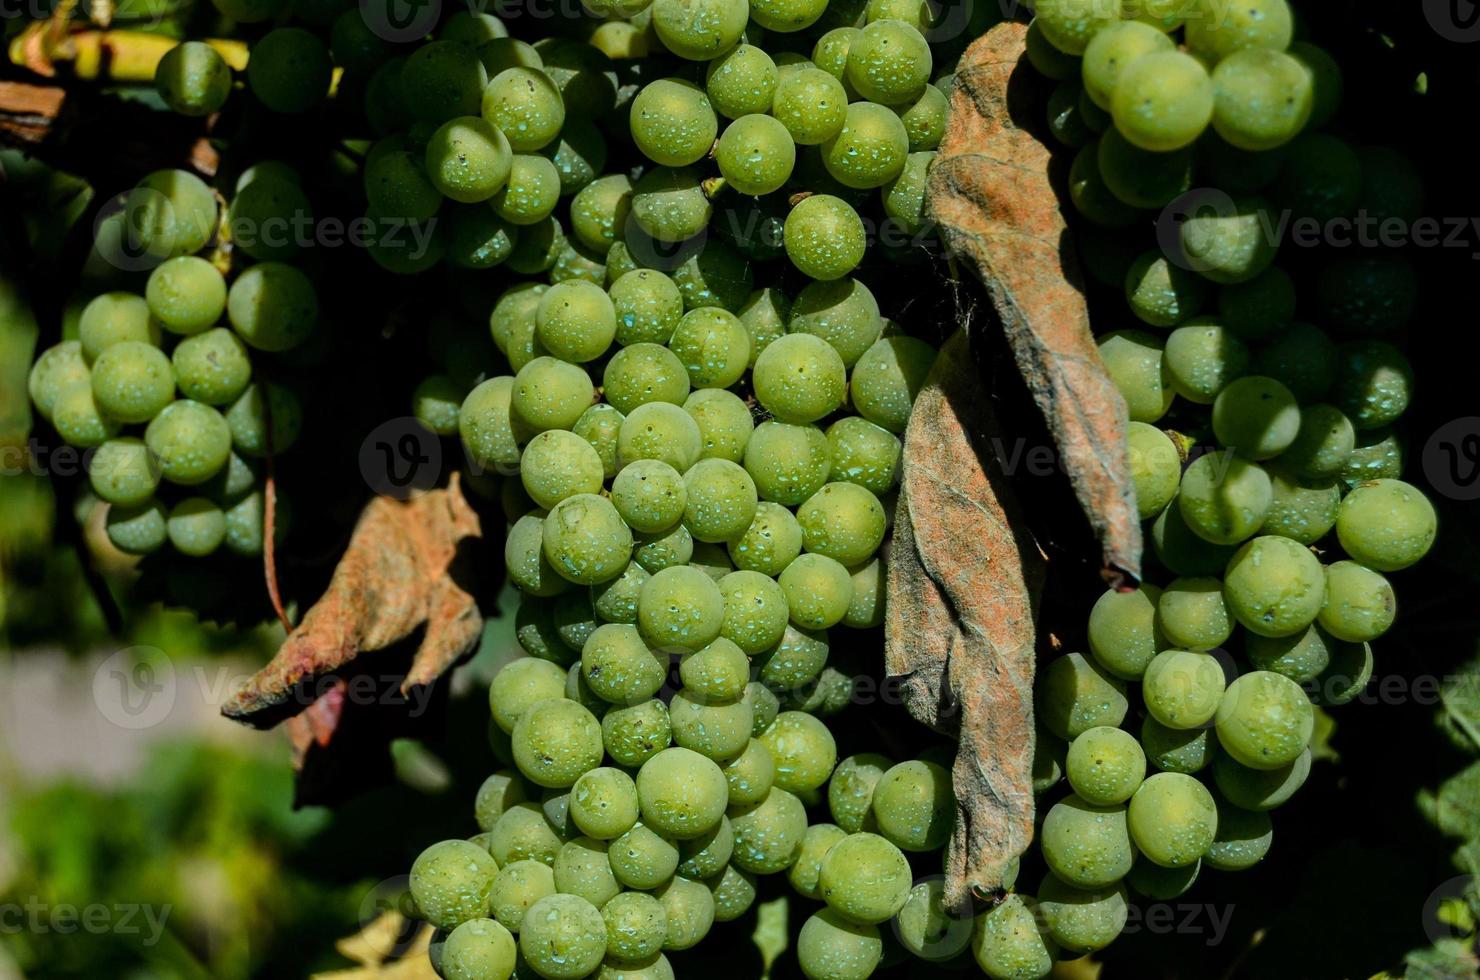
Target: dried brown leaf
990,193
396,577
381,955
964,578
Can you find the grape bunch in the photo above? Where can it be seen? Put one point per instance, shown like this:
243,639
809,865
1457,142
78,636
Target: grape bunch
160,386
1263,444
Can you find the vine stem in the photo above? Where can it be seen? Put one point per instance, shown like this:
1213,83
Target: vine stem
269,517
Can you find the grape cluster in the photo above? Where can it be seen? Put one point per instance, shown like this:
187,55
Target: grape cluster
1254,434
159,389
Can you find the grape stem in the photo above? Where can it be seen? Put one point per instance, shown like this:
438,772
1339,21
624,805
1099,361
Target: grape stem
269,517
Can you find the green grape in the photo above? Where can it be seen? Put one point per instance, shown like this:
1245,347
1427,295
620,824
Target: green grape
754,226
673,123
1264,721
168,213
715,275
1202,358
534,628
436,402
786,16
557,464
713,346
79,421
1163,101
1262,98
752,773
270,215
384,106
682,793
870,149
655,967
1348,674
478,238
1256,308
354,45
247,418
1162,293
524,556
1326,83
497,794
1104,766
525,105
1162,884
1092,197
1066,120
824,237
1215,33
829,694
1046,57
650,495
843,521
1303,359
396,183
442,80
641,858
531,191
865,879
1144,179
468,159
756,614
927,928
583,74
1082,921
1300,656
1087,846
805,875
888,62
716,673
689,908
707,855
1136,364
1229,243
680,609
1123,631
699,30
1182,689
864,454
1258,417
1367,295
1049,755
289,70
870,585
1172,819
478,948
563,937
185,294
1386,525
576,322
904,196
1069,25
599,211
846,315
582,869
189,442
1373,383
741,82
1274,586
887,377
811,104
850,792
585,540
246,524
1074,694
914,806
662,431
616,601
804,753
772,541
724,423
579,154
1177,750
131,381
272,306
1111,51
555,741
637,733
1193,614
1321,178
769,834
1260,789
522,882
663,549
1242,841
1224,498
1321,447
111,318
647,305
450,882
485,425
830,53
818,591
1156,467
577,262
59,368
137,530
550,394
636,926
755,154
670,204
716,730
1009,942
925,119
1377,455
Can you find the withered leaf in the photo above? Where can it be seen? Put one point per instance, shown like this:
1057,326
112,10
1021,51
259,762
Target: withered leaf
990,193
396,577
382,952
964,577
